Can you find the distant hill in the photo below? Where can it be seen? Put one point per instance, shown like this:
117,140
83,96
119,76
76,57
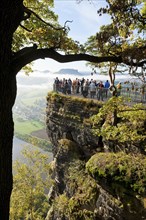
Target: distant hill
68,71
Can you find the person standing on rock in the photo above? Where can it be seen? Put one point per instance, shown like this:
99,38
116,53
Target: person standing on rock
106,87
119,87
100,91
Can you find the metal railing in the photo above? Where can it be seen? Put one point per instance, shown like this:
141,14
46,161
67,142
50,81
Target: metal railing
137,94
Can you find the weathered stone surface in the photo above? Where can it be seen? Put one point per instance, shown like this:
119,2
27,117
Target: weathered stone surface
65,118
76,193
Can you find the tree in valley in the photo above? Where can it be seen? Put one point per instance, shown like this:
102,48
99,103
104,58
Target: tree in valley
30,31
31,184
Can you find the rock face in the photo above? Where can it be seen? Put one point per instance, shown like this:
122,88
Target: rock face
65,118
89,182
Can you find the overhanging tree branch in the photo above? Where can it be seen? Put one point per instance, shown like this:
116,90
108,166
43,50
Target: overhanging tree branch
29,12
29,54
25,28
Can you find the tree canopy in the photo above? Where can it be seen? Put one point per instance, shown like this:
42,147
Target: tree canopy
124,37
31,185
122,41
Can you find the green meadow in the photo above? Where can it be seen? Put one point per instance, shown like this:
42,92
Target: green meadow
26,126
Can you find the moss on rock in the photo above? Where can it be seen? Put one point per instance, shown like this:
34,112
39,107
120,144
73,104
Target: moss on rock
122,168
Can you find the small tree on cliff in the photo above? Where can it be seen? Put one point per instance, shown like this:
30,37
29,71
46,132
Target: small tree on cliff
29,31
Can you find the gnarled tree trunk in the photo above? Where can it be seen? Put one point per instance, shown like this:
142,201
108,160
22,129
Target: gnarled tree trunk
7,99
7,91
11,13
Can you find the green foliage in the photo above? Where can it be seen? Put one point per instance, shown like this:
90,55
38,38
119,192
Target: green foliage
37,27
45,34
61,204
143,10
103,42
83,193
124,36
130,121
126,14
126,169
31,185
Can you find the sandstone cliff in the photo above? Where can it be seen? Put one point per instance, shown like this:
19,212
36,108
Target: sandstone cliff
94,177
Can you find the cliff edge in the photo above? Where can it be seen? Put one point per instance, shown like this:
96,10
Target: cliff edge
96,175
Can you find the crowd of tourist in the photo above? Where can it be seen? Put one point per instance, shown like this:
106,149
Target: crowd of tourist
82,86
98,89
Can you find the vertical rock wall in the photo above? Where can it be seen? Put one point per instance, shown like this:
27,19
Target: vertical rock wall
77,193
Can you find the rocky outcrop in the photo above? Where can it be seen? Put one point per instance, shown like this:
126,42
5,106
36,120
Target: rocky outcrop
68,118
90,182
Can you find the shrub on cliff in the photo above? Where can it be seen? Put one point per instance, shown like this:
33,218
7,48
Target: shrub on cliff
127,170
120,122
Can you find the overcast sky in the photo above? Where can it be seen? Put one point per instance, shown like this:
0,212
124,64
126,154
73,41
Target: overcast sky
85,22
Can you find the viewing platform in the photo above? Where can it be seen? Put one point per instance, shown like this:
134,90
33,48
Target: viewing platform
136,94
